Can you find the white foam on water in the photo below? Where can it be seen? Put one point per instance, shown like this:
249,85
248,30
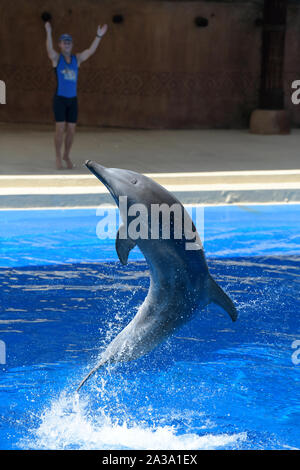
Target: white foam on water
66,425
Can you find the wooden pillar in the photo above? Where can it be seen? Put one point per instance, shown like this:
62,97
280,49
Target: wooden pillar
271,118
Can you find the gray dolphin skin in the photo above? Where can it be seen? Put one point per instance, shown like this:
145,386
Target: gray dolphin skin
180,282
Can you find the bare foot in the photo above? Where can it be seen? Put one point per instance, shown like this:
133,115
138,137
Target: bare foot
59,165
69,164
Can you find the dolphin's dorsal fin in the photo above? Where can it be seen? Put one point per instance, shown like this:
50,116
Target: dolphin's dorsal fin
218,296
124,245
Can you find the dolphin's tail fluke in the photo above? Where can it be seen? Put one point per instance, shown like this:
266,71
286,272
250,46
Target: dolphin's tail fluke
89,375
218,296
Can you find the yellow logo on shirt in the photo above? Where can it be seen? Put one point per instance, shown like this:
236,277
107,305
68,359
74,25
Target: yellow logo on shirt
69,74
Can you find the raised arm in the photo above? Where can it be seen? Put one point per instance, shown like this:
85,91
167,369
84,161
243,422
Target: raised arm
52,54
84,55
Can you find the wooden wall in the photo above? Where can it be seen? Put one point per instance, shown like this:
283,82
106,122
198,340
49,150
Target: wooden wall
154,70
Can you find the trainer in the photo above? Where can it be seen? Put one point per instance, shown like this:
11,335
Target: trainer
66,67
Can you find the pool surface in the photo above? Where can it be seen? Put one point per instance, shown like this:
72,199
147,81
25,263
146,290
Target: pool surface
213,385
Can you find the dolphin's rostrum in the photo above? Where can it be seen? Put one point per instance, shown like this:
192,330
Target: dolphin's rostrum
180,282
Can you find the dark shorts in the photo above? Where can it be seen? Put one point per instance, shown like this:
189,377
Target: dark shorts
65,109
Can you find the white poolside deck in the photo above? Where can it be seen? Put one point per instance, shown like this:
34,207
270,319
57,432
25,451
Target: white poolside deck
200,166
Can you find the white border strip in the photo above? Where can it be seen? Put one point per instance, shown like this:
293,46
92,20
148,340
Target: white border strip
159,175
187,188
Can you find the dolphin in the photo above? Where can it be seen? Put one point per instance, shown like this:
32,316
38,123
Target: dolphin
180,282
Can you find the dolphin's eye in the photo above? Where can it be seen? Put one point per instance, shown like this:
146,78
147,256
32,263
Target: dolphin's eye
134,181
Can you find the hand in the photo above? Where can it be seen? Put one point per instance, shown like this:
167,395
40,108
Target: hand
48,27
101,30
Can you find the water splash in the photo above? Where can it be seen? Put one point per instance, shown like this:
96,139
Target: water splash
67,424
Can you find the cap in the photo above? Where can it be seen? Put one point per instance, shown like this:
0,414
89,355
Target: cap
66,37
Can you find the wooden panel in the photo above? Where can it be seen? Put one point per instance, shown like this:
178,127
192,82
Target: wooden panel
155,70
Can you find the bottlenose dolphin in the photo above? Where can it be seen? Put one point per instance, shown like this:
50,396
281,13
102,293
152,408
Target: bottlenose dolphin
180,282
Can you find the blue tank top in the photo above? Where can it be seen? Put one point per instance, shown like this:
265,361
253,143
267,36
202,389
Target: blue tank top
67,75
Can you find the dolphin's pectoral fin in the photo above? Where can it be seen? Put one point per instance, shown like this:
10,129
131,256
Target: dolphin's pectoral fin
124,246
218,296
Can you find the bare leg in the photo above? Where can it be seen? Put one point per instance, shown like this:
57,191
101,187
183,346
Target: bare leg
68,143
58,140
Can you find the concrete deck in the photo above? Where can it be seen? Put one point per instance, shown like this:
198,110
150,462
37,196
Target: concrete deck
200,166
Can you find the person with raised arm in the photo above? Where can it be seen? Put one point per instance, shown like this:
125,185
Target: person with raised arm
65,106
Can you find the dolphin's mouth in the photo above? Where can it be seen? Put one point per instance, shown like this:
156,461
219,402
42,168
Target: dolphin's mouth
92,167
99,171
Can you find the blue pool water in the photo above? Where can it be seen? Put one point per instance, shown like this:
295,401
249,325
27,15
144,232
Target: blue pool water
213,385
